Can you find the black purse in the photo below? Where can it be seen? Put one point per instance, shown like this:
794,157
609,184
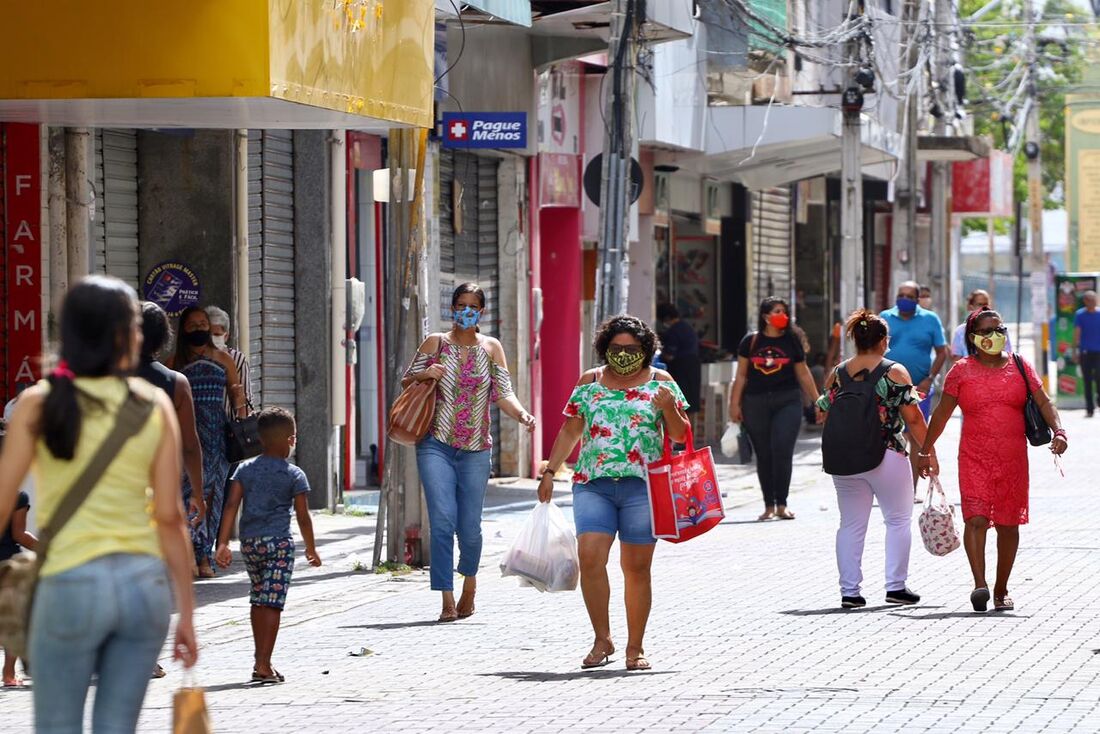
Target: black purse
1035,425
242,437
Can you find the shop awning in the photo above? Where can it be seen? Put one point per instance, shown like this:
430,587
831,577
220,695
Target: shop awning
791,144
218,63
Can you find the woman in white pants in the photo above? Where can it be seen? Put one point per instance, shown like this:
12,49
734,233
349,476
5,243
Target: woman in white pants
895,406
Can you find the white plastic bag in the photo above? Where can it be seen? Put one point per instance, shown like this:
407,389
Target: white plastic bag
729,441
544,554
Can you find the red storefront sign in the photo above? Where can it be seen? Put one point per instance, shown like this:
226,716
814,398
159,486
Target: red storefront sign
23,249
559,179
983,187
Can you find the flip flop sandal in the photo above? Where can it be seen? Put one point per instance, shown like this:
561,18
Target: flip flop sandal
448,616
601,662
467,615
1004,604
979,599
158,672
638,663
275,677
17,683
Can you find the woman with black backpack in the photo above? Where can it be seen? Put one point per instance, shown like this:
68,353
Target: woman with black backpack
868,403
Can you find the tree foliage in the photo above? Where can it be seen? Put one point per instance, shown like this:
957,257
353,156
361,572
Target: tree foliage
996,64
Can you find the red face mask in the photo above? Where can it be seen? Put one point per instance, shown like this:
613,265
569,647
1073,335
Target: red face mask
779,320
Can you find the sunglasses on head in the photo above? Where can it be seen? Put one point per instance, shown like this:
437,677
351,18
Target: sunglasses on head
992,330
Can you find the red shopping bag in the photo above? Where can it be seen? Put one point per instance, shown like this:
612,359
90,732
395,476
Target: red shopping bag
684,500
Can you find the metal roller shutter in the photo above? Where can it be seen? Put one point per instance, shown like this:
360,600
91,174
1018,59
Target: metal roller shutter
471,255
772,252
116,221
271,266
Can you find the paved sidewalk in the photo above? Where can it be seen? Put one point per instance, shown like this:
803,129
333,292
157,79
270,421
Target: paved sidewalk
745,635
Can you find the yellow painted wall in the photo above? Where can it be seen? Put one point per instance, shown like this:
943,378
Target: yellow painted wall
366,57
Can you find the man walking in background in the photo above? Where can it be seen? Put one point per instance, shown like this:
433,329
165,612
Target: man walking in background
1086,345
915,333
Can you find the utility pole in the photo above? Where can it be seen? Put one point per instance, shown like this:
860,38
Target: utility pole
1033,153
615,175
852,291
904,229
938,260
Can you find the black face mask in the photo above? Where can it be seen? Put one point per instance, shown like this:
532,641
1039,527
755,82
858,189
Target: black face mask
197,338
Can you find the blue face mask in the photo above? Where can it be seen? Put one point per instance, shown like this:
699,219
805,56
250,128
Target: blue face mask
467,318
906,305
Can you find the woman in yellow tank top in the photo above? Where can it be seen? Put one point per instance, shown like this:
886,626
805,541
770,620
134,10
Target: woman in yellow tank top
103,602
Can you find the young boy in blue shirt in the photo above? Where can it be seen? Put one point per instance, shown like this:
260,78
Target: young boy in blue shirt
269,485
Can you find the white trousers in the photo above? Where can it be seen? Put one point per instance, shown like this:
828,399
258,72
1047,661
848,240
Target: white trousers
891,482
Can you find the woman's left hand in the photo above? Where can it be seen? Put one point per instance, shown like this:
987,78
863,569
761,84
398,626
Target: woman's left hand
1058,445
664,400
527,421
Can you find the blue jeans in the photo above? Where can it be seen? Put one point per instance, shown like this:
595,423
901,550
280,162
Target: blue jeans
611,506
107,618
454,486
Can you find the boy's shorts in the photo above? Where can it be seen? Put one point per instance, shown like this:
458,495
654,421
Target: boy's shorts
270,564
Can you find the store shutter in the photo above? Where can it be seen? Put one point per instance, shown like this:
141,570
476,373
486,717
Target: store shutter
115,229
471,254
771,227
271,267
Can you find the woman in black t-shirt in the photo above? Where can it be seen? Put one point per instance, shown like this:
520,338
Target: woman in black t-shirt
766,399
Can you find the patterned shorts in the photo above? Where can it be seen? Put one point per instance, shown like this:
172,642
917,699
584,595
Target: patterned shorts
270,564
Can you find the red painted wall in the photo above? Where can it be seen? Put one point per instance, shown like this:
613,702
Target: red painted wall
560,336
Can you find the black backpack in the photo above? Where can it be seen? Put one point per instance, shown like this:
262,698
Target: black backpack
852,441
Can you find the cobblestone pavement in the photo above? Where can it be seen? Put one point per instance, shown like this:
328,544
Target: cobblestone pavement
745,634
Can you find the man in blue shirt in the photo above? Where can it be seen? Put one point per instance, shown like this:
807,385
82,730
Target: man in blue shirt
1086,345
915,333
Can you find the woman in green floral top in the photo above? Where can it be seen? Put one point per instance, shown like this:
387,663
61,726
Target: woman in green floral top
619,413
891,482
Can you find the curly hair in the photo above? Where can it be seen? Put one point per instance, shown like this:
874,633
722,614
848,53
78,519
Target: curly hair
866,328
625,324
972,326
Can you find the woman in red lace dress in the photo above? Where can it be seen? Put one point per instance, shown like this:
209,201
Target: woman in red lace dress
993,472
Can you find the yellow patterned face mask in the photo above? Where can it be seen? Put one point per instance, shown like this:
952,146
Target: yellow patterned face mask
625,362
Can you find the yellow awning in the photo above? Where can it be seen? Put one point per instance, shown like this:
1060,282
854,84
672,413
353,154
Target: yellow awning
218,63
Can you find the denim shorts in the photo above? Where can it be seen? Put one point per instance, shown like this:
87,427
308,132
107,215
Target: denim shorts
614,506
270,564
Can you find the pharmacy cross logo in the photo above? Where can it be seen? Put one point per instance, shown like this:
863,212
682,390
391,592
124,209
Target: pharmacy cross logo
457,130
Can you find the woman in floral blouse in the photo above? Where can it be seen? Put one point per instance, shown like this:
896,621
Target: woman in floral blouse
891,482
619,413
454,459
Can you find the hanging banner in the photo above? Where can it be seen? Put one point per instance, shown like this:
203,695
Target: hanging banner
1083,182
23,247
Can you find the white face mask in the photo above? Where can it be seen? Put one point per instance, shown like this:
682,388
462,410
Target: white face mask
219,341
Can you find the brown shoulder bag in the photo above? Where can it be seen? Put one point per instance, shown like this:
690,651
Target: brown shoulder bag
412,412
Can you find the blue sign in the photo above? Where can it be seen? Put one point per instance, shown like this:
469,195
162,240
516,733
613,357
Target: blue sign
484,129
173,286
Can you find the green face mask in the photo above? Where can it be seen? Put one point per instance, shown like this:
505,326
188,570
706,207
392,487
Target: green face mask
624,362
993,344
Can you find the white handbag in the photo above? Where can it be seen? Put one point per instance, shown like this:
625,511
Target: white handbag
937,521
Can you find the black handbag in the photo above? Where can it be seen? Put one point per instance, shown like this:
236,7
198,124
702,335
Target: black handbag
242,437
1035,425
